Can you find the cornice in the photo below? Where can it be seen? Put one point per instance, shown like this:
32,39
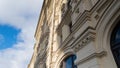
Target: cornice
83,39
80,20
39,21
93,55
76,43
87,14
93,7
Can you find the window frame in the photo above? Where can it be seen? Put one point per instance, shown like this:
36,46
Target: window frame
72,57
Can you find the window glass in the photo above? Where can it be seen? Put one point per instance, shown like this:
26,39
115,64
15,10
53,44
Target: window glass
118,35
69,62
115,44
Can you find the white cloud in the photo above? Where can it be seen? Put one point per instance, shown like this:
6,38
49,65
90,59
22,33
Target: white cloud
23,15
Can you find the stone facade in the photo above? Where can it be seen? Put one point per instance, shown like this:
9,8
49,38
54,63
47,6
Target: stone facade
75,27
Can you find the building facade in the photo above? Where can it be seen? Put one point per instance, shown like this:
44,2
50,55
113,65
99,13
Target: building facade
78,34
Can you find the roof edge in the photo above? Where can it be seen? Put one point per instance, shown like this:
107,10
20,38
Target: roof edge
39,18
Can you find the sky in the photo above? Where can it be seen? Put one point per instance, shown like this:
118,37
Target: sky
18,20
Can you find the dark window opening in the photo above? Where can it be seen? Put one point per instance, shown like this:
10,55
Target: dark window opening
69,62
70,26
115,44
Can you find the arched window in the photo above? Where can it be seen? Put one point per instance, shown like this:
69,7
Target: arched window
68,62
115,44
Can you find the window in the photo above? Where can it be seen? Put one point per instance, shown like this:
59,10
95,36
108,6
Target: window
70,26
69,62
115,44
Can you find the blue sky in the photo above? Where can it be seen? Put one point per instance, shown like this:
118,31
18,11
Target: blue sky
18,20
8,36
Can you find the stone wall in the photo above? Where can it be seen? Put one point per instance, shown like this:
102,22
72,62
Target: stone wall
79,27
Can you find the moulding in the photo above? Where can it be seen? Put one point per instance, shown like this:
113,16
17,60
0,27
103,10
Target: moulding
83,40
91,56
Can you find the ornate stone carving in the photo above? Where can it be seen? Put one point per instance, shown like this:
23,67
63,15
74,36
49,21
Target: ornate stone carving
84,41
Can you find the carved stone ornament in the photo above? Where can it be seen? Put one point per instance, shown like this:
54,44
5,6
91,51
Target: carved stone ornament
84,41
